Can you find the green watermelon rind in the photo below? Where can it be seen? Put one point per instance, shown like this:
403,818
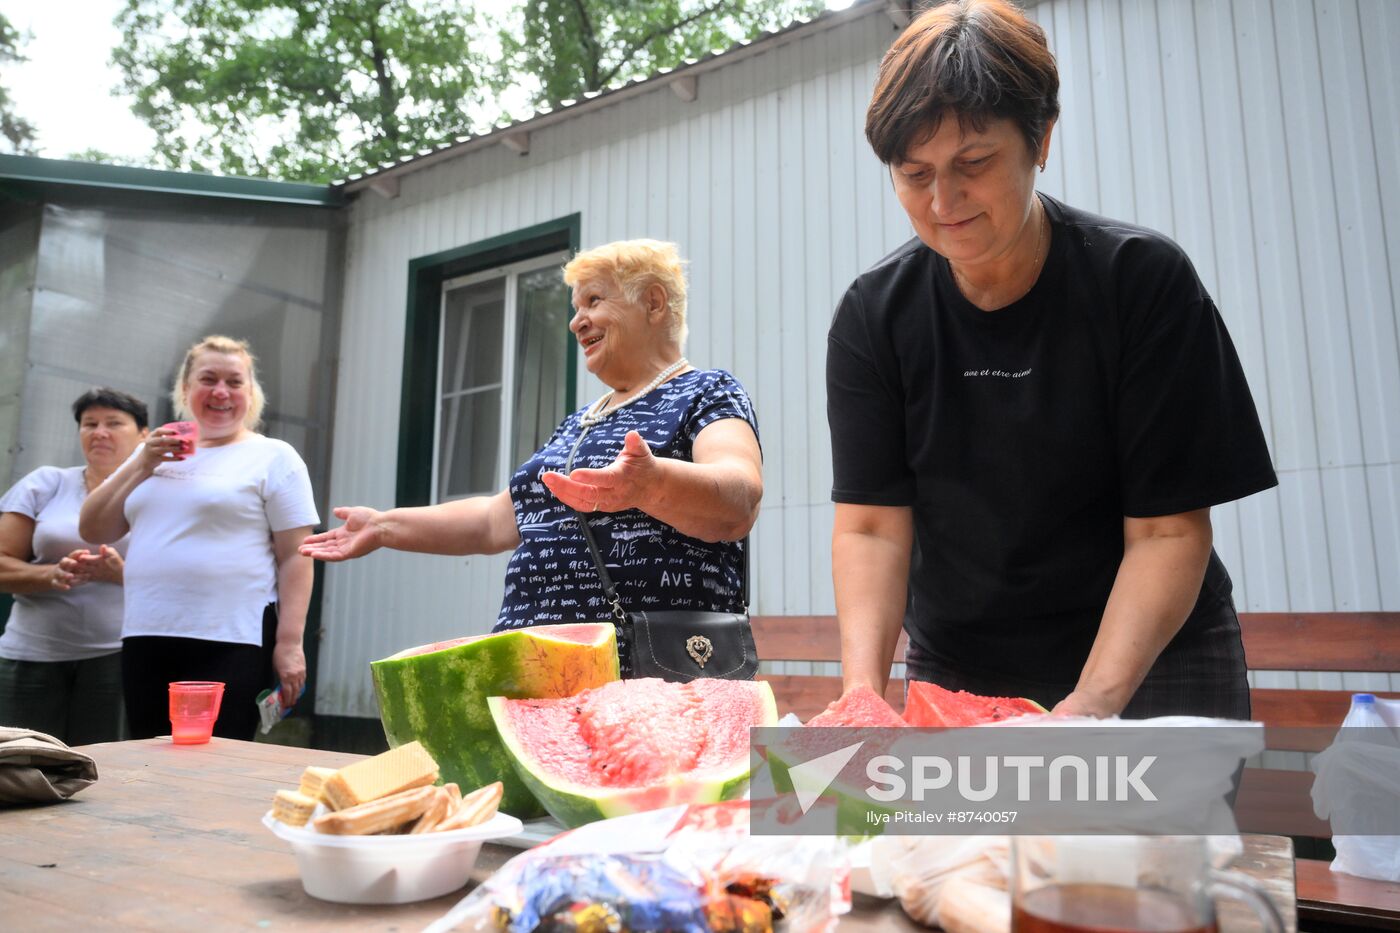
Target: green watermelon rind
574,804
857,817
439,699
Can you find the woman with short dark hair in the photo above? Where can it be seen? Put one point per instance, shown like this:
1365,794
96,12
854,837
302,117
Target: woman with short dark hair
60,655
1032,411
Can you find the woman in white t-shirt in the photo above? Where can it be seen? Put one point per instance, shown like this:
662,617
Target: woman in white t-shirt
213,577
60,654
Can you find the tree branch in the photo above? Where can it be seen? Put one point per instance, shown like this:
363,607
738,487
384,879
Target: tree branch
388,94
589,40
655,34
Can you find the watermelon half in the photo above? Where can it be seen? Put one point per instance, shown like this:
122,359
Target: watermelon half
436,694
634,745
930,706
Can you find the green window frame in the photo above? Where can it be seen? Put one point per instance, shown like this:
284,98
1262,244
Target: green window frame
423,323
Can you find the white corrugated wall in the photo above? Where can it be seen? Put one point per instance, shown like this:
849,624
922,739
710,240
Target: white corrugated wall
1262,135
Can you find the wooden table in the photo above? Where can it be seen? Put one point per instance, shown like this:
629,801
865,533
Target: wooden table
169,838
1336,900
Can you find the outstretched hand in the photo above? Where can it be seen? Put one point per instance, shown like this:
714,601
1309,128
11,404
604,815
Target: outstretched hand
357,537
629,482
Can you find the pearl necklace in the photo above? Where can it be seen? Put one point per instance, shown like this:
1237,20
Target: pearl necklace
599,410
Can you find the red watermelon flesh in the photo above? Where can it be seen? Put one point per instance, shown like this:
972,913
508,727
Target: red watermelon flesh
929,705
635,744
625,735
858,707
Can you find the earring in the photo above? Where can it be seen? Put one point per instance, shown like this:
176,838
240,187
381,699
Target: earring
1042,166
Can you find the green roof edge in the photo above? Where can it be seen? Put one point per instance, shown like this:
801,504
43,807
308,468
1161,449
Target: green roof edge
93,174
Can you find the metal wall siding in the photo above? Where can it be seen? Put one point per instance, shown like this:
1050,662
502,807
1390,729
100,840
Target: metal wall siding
1252,132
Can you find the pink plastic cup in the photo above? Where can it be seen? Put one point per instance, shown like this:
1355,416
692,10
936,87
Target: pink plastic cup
194,707
188,432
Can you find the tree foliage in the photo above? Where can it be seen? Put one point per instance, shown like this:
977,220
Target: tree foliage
17,131
297,89
312,90
574,46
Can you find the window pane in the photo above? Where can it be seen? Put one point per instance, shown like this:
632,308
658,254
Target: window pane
474,318
469,424
471,432
542,345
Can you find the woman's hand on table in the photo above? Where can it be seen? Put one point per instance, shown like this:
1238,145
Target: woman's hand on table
360,535
1085,703
629,482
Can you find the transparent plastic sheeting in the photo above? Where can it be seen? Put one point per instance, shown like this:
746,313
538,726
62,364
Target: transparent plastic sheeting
122,288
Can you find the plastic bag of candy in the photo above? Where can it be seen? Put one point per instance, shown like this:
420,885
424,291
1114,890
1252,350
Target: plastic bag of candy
694,869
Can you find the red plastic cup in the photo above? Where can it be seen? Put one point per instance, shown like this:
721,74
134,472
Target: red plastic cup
194,707
188,432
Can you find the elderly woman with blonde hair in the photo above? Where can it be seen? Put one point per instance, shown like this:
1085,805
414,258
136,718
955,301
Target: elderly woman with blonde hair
215,586
669,455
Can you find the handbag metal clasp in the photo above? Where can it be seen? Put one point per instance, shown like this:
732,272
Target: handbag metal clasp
699,648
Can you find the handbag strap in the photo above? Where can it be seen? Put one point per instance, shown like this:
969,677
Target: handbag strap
610,588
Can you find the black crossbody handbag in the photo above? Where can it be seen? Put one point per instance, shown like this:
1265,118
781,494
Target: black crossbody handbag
676,644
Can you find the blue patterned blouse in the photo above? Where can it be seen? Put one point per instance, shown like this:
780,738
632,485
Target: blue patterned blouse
550,577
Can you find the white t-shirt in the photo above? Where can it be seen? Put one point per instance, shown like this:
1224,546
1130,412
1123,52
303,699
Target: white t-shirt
84,622
202,564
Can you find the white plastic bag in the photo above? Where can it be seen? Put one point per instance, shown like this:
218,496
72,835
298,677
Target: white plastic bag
957,882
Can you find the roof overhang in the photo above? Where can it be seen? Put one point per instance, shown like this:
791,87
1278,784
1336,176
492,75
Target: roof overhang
683,81
31,171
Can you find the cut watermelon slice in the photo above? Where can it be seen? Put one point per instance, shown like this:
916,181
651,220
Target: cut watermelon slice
859,706
634,745
436,694
930,706
863,717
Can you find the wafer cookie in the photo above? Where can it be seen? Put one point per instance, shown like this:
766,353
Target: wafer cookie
476,808
437,811
292,807
378,816
388,773
313,780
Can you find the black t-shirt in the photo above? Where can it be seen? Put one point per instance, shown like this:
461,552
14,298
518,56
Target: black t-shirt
1022,437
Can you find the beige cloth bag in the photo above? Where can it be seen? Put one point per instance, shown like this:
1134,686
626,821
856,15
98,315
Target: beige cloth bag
38,768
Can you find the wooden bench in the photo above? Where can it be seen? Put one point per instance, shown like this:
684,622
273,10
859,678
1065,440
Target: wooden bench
1270,800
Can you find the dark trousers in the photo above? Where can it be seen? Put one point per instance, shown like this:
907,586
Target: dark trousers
151,662
78,702
1201,672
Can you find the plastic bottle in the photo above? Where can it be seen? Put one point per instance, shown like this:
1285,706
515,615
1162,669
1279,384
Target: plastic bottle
1363,715
1357,790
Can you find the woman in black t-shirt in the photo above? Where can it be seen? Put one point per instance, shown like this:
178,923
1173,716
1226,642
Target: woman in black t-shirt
1032,411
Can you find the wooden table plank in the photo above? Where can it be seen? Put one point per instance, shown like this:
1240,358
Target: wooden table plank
169,838
1344,899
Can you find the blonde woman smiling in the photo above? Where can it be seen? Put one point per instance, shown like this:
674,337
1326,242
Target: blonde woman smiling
213,575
